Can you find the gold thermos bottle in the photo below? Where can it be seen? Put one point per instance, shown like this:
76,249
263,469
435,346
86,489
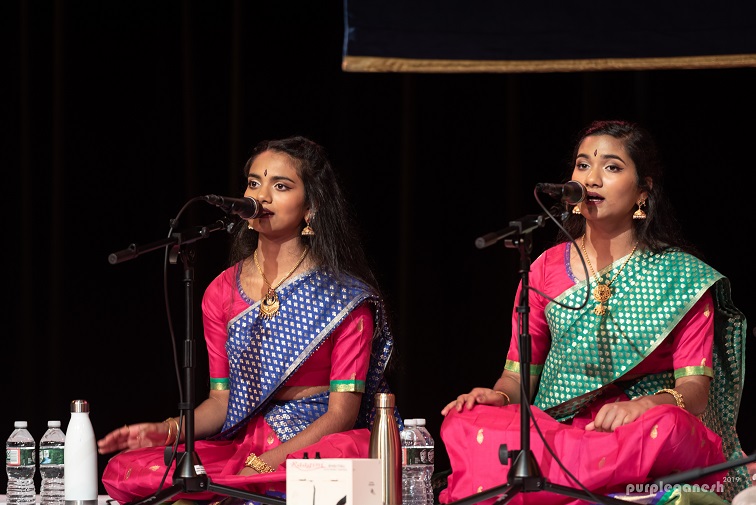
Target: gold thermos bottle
386,445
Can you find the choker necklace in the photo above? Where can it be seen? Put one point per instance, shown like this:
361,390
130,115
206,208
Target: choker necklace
602,292
269,304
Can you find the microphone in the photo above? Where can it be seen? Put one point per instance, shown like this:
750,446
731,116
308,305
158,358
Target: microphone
246,208
571,192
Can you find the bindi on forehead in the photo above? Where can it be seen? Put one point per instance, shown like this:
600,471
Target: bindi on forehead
265,173
595,152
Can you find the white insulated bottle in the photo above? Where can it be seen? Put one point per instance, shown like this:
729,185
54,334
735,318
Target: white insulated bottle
80,454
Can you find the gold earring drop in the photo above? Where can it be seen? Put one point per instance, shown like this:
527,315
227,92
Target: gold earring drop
307,231
639,214
576,209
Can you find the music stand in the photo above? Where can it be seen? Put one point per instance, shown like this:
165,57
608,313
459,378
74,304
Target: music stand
186,478
524,475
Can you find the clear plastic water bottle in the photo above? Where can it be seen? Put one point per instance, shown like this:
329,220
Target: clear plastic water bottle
51,447
414,491
20,464
429,454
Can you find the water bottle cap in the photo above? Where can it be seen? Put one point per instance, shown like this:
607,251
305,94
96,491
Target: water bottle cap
53,424
420,421
19,424
410,422
79,406
384,400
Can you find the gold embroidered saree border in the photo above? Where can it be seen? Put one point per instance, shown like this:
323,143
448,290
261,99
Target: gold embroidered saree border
347,386
219,384
694,370
514,366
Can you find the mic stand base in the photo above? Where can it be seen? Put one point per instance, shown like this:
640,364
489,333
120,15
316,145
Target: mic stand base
508,491
525,477
186,480
169,492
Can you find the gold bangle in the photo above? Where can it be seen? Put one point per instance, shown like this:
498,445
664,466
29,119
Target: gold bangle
257,464
169,439
676,394
178,428
502,393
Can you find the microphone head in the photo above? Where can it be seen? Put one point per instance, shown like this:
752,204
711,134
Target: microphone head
246,208
573,192
249,209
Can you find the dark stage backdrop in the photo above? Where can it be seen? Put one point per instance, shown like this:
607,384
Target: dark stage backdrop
115,114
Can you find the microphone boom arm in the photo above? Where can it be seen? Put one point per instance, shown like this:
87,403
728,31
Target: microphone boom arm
187,237
521,226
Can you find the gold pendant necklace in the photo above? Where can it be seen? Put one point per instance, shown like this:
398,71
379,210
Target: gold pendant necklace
602,292
269,305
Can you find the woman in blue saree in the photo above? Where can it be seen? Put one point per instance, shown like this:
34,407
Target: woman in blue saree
297,339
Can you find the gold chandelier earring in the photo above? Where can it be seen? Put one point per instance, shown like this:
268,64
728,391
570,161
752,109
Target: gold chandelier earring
639,214
576,209
307,231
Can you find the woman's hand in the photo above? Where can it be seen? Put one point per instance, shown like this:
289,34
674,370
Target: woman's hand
613,415
134,436
483,396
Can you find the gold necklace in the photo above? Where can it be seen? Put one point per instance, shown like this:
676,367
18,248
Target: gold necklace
602,292
269,304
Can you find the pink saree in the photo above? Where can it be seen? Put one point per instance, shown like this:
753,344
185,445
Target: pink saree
603,462
140,474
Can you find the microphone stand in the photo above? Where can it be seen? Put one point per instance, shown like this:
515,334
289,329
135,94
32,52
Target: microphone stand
186,477
524,475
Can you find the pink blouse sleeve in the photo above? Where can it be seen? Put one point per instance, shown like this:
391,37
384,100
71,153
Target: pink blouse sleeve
351,350
693,340
538,327
216,310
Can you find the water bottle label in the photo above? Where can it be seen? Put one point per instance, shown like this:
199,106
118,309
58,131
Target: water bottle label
52,456
415,456
427,456
18,456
